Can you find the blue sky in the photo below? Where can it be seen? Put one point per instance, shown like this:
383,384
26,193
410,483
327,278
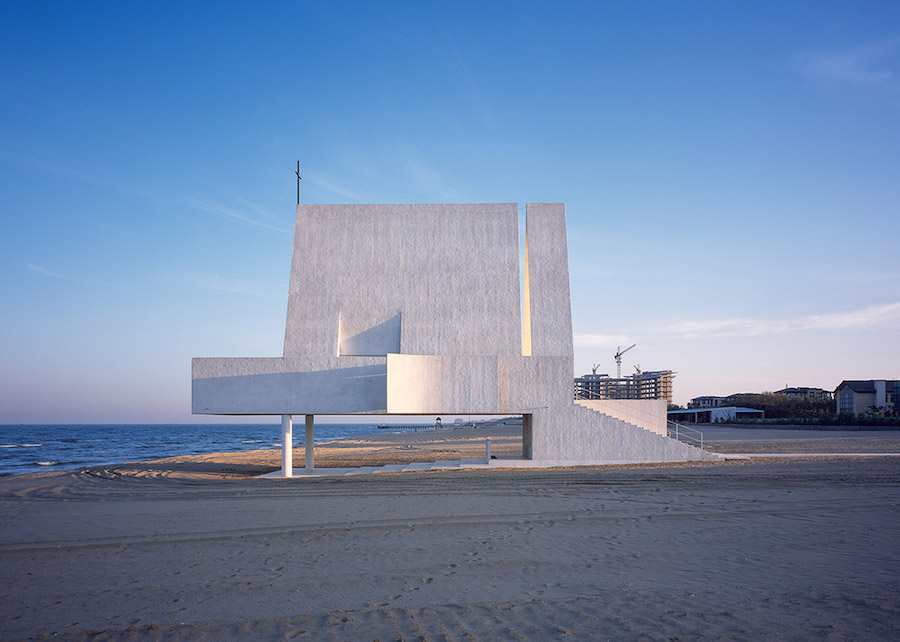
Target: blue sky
731,174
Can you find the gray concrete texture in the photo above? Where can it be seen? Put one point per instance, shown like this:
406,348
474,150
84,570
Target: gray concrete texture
416,309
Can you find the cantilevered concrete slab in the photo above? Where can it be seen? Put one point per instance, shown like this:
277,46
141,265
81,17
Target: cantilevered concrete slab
417,309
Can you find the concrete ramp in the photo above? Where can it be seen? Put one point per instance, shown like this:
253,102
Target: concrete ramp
623,440
585,435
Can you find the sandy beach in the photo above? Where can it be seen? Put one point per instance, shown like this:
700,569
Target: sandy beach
195,548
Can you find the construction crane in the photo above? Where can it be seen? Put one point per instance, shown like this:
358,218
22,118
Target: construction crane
597,365
619,353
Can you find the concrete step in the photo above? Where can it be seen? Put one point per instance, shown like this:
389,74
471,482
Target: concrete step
392,468
444,464
425,465
365,470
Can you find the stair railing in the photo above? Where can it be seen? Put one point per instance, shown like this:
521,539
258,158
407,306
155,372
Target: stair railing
683,433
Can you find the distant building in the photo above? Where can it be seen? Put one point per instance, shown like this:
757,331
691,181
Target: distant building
653,384
714,415
805,393
709,401
860,397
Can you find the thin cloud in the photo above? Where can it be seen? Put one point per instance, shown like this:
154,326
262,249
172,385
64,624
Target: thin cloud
47,160
425,182
40,269
427,178
862,276
231,214
334,187
245,287
873,316
44,159
869,64
114,228
587,340
716,327
870,317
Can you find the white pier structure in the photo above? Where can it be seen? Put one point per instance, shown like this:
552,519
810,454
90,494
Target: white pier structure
418,310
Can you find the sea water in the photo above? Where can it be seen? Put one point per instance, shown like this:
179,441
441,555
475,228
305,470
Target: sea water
26,449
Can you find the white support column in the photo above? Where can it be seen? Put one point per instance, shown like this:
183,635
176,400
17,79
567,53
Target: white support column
310,447
287,445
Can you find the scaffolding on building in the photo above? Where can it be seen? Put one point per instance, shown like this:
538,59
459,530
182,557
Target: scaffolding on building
655,384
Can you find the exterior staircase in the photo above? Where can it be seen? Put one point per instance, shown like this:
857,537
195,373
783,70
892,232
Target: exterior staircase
621,440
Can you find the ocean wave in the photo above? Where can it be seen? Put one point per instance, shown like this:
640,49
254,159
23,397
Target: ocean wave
70,446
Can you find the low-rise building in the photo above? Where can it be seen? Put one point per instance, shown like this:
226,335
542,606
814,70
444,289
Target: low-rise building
805,393
707,401
714,415
871,396
711,401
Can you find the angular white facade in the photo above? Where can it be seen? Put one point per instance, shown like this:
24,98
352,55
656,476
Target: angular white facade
416,309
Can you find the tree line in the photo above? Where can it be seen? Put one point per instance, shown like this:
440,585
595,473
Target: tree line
782,408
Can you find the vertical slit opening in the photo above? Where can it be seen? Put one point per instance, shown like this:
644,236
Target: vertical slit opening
526,289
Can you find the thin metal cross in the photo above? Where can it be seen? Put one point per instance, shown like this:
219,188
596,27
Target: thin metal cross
298,182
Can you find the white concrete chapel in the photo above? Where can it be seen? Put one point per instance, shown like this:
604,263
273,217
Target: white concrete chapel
419,309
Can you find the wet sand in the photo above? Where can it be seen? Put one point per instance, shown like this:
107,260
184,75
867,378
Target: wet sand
193,548
367,450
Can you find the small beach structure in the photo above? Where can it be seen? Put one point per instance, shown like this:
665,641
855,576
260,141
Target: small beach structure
420,310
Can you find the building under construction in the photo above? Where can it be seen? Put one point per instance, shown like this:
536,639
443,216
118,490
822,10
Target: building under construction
656,384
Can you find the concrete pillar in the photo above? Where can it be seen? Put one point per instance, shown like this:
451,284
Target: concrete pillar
310,448
527,423
287,445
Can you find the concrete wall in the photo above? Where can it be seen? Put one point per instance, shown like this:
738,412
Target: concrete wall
549,308
649,414
431,290
409,279
578,434
267,386
368,281
432,384
862,401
